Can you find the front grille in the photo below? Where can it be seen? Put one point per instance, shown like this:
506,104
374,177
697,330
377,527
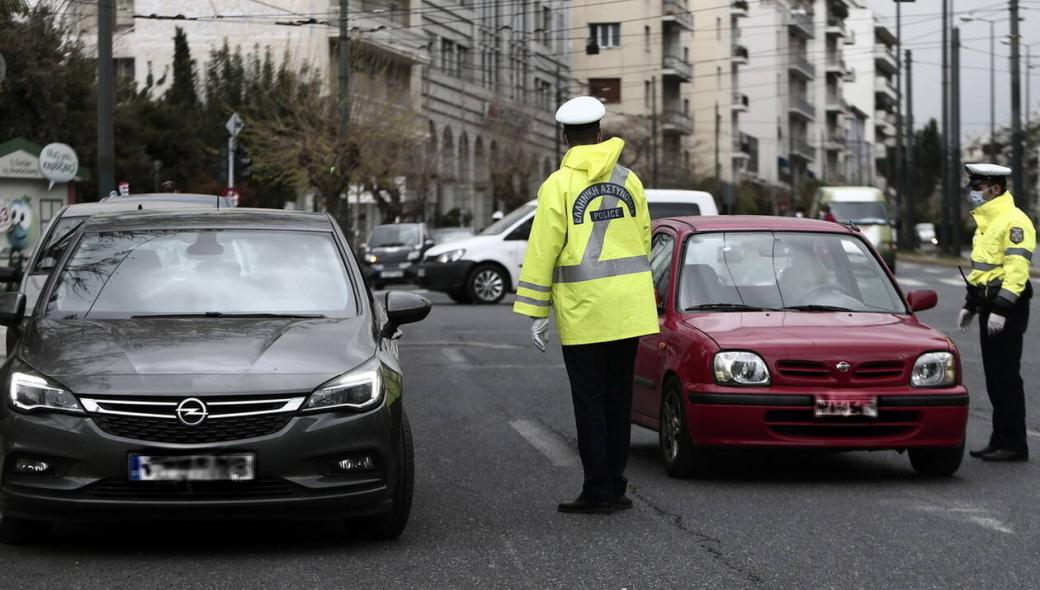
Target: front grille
210,431
879,370
868,373
269,487
803,369
804,424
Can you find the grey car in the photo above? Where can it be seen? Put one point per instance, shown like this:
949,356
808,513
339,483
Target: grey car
206,364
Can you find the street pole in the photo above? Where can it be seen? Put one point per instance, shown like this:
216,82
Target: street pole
944,163
904,237
653,130
908,176
106,157
344,102
558,103
231,162
718,167
992,90
955,141
1016,106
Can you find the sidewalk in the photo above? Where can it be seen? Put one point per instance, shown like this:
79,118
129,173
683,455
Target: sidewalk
944,260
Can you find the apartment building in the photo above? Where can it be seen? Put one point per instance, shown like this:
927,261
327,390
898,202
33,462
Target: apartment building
831,106
635,57
483,74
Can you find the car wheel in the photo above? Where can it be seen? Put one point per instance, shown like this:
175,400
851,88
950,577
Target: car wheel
937,462
681,458
16,531
459,296
487,284
390,525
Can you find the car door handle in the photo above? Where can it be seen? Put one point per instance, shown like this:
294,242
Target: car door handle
661,346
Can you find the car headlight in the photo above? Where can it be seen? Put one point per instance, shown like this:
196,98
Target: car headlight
934,369
452,256
359,389
740,368
414,255
371,258
31,392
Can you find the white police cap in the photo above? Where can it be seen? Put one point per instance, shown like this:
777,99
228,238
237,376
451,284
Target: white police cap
582,110
987,170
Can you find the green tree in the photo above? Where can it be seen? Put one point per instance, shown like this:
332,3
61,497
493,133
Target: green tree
927,160
182,92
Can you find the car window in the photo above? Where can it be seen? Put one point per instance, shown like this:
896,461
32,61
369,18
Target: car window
659,210
522,231
394,235
861,212
508,221
49,252
661,263
121,274
776,270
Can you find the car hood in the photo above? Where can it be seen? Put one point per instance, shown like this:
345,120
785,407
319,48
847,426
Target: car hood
181,355
468,244
815,335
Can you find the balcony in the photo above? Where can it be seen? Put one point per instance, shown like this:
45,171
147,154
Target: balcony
386,35
802,107
800,148
676,121
677,67
835,64
801,65
836,139
885,59
740,54
836,27
835,102
676,12
884,124
850,37
801,23
741,146
740,102
739,8
885,92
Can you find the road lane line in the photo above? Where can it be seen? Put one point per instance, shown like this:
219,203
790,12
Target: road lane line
952,282
972,514
992,524
912,283
934,271
455,356
547,442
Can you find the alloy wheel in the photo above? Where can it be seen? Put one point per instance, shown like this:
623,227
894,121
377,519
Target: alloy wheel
488,285
671,428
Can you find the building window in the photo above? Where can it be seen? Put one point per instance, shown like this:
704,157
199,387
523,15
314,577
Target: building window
49,208
607,35
462,67
447,55
546,26
543,90
686,54
606,89
646,38
686,106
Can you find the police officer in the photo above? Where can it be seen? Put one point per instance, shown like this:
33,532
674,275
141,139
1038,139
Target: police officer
588,259
999,291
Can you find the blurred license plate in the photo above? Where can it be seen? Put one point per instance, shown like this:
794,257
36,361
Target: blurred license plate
392,274
847,407
191,467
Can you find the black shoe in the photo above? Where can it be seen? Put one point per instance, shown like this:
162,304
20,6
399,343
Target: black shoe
983,451
622,503
583,506
1006,456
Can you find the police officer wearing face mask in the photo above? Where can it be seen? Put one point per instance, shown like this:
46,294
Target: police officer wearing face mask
999,291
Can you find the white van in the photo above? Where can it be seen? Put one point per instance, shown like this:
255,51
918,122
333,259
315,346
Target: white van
482,269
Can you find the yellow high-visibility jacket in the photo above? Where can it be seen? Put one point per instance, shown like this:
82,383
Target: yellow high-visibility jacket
588,253
1001,251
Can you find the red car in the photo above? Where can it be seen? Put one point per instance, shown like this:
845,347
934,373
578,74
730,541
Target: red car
787,332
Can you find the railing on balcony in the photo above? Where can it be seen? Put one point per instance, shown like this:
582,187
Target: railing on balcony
802,62
803,106
800,147
740,52
675,9
885,56
834,61
883,86
677,120
680,66
836,25
802,21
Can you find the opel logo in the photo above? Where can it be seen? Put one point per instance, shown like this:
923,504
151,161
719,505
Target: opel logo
842,366
191,412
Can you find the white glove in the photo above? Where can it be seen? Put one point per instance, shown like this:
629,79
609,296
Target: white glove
540,332
995,324
964,319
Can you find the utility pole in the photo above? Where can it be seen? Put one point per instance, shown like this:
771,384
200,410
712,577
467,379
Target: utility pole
944,164
905,241
1016,106
908,177
1027,189
955,142
718,166
653,130
106,158
344,102
992,99
559,101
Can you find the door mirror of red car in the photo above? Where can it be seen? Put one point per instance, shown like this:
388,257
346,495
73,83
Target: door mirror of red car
922,300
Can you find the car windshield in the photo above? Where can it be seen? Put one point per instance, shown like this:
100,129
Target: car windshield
508,221
444,236
784,270
386,236
861,212
209,272
52,249
659,210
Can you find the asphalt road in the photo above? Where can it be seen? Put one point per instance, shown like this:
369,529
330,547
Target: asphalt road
495,452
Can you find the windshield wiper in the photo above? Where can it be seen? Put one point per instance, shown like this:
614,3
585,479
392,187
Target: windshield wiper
727,307
817,308
221,314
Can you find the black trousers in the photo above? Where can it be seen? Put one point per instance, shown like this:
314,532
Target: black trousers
601,387
1002,359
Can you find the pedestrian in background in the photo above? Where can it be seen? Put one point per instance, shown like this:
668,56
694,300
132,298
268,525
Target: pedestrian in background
999,291
825,213
588,259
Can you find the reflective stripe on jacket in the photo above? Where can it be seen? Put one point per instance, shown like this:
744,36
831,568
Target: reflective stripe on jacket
588,253
1001,250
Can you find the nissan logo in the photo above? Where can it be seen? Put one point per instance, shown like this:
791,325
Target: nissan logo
191,412
842,366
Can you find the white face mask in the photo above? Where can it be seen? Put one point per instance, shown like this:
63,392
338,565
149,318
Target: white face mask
977,198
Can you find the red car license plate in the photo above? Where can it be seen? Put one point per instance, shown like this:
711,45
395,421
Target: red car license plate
846,407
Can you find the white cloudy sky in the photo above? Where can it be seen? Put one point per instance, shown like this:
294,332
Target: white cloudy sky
922,33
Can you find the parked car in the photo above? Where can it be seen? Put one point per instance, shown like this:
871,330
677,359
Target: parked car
392,252
791,333
447,235
864,206
206,364
926,238
194,198
484,268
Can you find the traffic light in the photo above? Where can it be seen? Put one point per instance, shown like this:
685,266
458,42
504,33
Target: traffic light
244,165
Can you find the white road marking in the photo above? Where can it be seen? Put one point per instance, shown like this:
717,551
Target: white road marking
952,282
1033,433
454,356
934,271
912,283
991,523
972,514
547,442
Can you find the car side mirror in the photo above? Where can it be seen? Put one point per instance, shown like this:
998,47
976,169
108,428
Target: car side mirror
12,308
9,274
922,300
428,243
403,308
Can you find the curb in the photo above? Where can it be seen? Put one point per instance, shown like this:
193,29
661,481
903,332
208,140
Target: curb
946,261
